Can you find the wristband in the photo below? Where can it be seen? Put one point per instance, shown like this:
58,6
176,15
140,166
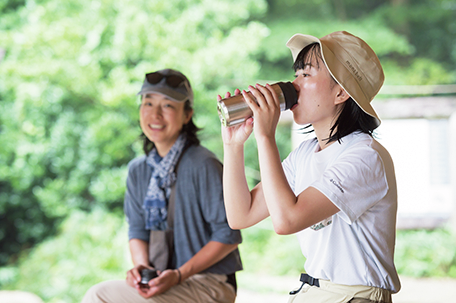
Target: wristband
180,276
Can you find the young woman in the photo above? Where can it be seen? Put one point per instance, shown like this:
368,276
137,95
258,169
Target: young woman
337,192
205,258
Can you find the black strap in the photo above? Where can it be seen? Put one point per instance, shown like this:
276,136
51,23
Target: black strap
306,279
171,208
231,279
173,191
170,218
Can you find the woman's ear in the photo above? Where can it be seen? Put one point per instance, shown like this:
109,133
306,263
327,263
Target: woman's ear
341,95
188,115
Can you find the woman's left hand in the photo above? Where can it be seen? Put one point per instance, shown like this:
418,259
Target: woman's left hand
160,284
266,110
237,134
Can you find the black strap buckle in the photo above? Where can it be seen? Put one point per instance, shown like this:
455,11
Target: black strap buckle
306,279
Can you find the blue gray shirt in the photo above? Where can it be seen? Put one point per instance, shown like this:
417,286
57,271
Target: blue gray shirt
199,215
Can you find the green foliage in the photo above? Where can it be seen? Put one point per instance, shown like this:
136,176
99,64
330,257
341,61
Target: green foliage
420,70
404,36
89,248
69,114
430,27
278,61
9,6
265,252
421,253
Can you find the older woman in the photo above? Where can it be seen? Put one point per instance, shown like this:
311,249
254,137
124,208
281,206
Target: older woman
202,264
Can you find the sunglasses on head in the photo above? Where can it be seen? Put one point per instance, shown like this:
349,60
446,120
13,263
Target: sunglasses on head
171,80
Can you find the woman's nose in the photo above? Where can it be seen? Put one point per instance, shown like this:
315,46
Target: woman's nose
155,111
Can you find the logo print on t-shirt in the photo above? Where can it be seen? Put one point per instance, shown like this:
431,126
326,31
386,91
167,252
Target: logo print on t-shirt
337,185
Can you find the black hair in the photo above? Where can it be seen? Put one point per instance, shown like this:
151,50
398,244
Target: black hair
350,118
190,129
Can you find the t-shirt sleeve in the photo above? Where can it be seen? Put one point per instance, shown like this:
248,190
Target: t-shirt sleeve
354,183
289,164
289,169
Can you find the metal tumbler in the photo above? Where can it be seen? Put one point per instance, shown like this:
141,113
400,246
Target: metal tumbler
234,110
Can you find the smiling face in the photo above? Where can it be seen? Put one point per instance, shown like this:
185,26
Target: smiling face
161,120
319,96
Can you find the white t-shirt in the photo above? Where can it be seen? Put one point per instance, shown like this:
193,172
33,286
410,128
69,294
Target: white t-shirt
357,175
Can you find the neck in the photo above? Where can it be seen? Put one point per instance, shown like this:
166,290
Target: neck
322,135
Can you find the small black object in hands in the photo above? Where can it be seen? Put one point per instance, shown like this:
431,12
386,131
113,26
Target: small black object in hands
147,275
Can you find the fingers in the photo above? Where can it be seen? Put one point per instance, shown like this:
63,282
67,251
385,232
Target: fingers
265,95
228,94
167,277
135,274
130,279
248,97
160,284
133,277
273,94
146,292
258,97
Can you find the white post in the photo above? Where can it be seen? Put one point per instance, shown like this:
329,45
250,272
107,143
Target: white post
452,165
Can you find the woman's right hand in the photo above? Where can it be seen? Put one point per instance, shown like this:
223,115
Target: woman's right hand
237,134
134,275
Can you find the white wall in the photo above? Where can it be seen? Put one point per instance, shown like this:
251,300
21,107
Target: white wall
420,151
423,152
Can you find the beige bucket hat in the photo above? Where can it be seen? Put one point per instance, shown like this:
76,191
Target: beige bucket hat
351,62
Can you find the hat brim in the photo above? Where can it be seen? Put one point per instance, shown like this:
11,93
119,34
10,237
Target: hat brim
168,93
297,42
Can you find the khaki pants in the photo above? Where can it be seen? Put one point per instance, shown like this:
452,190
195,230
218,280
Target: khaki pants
337,293
199,288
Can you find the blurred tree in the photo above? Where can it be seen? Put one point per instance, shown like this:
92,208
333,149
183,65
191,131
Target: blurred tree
8,6
415,40
69,114
62,268
70,71
430,27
